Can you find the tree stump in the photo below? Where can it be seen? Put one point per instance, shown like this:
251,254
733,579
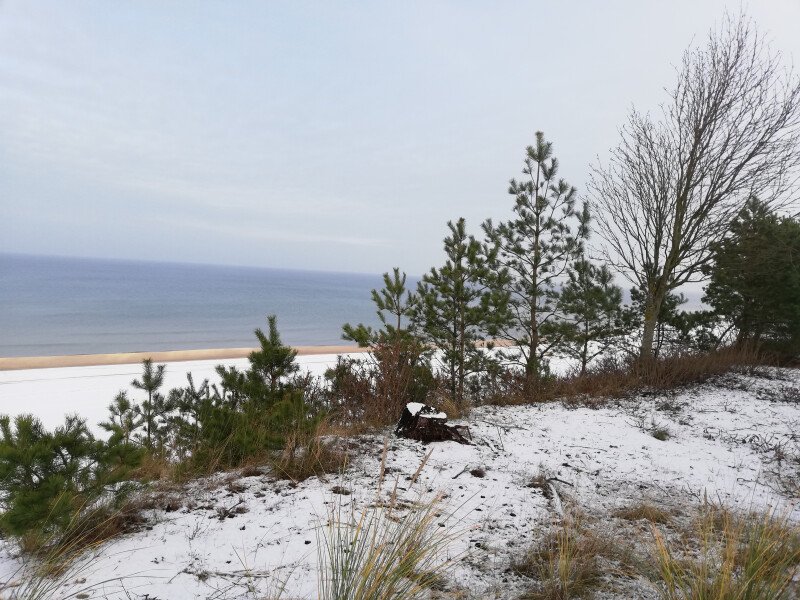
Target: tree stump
426,424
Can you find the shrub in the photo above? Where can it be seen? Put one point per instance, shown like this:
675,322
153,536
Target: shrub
51,479
373,391
229,437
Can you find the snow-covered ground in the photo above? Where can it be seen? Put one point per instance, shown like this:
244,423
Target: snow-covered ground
724,446
51,393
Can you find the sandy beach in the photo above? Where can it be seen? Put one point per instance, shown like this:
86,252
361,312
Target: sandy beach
127,358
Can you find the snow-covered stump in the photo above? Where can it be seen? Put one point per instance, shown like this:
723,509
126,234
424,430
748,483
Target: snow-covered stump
426,424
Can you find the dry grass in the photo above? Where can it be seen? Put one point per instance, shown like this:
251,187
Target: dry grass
613,378
313,455
644,512
382,552
155,468
568,563
731,557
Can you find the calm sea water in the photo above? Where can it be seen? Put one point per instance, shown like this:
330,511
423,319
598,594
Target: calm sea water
52,306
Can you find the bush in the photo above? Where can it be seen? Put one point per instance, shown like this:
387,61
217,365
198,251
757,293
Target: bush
229,437
372,392
50,479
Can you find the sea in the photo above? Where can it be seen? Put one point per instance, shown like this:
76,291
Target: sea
57,305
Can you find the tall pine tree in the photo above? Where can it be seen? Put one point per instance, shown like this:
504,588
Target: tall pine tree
533,250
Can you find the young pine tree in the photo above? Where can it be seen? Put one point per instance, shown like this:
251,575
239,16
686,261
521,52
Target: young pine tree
191,403
533,251
395,305
154,409
273,362
592,308
267,378
397,369
456,310
124,419
48,478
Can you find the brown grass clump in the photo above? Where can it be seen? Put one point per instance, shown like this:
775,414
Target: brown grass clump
155,467
731,557
568,563
644,512
310,456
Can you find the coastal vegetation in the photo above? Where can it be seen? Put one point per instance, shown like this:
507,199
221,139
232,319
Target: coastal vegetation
695,195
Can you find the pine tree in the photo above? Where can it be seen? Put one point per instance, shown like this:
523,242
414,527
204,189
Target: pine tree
155,409
273,362
124,419
232,382
48,478
395,304
533,251
592,307
755,278
190,402
397,367
455,310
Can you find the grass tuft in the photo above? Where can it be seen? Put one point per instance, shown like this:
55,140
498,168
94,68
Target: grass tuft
310,456
644,512
734,557
567,563
382,552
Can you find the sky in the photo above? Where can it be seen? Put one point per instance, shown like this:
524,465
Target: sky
337,136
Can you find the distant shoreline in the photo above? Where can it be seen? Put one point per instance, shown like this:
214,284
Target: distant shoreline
126,358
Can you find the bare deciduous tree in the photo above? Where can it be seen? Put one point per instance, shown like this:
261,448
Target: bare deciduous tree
729,130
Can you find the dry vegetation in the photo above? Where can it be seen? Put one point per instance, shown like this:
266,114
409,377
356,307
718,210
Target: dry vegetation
716,555
728,556
312,455
568,563
618,378
644,512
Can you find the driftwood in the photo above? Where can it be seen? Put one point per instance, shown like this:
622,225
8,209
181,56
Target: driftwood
426,424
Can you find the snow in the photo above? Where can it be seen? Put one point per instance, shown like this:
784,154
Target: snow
52,393
603,458
415,407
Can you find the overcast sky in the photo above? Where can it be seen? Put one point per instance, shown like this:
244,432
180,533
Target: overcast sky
327,135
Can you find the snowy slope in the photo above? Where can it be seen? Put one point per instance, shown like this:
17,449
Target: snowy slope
722,446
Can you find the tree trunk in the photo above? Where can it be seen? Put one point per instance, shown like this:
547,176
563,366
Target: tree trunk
652,308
